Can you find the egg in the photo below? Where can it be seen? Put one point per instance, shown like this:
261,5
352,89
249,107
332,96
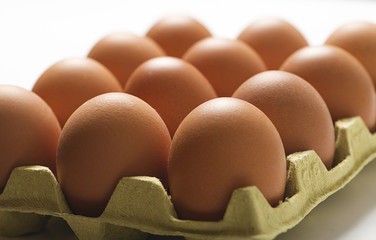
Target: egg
29,131
111,136
175,34
225,63
359,39
341,80
222,145
273,39
122,52
70,82
296,109
171,86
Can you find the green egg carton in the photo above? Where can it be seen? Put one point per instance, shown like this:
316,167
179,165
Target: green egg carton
140,206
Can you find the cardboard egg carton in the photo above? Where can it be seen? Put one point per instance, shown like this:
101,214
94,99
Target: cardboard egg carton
140,205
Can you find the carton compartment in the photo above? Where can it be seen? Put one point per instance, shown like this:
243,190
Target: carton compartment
140,206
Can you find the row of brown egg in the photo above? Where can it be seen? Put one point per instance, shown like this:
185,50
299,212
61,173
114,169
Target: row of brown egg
218,144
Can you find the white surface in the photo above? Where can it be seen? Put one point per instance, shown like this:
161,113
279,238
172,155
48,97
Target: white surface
349,214
36,34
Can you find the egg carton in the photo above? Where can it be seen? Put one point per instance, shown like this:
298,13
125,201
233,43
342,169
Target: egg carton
140,205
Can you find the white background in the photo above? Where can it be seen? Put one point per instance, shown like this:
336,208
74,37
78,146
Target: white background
36,34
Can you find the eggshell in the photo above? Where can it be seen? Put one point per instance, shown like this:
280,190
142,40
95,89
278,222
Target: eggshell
122,52
171,86
29,131
69,83
175,34
296,109
222,145
111,136
225,63
359,39
273,39
341,80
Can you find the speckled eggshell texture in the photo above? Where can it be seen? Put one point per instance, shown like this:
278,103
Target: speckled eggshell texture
222,145
111,136
296,109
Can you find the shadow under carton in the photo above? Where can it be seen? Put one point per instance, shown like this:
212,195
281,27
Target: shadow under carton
140,205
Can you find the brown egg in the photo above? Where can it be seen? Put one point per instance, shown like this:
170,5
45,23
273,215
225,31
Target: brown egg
171,86
222,145
225,63
29,131
273,39
121,53
358,38
71,82
296,109
111,136
341,80
175,34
